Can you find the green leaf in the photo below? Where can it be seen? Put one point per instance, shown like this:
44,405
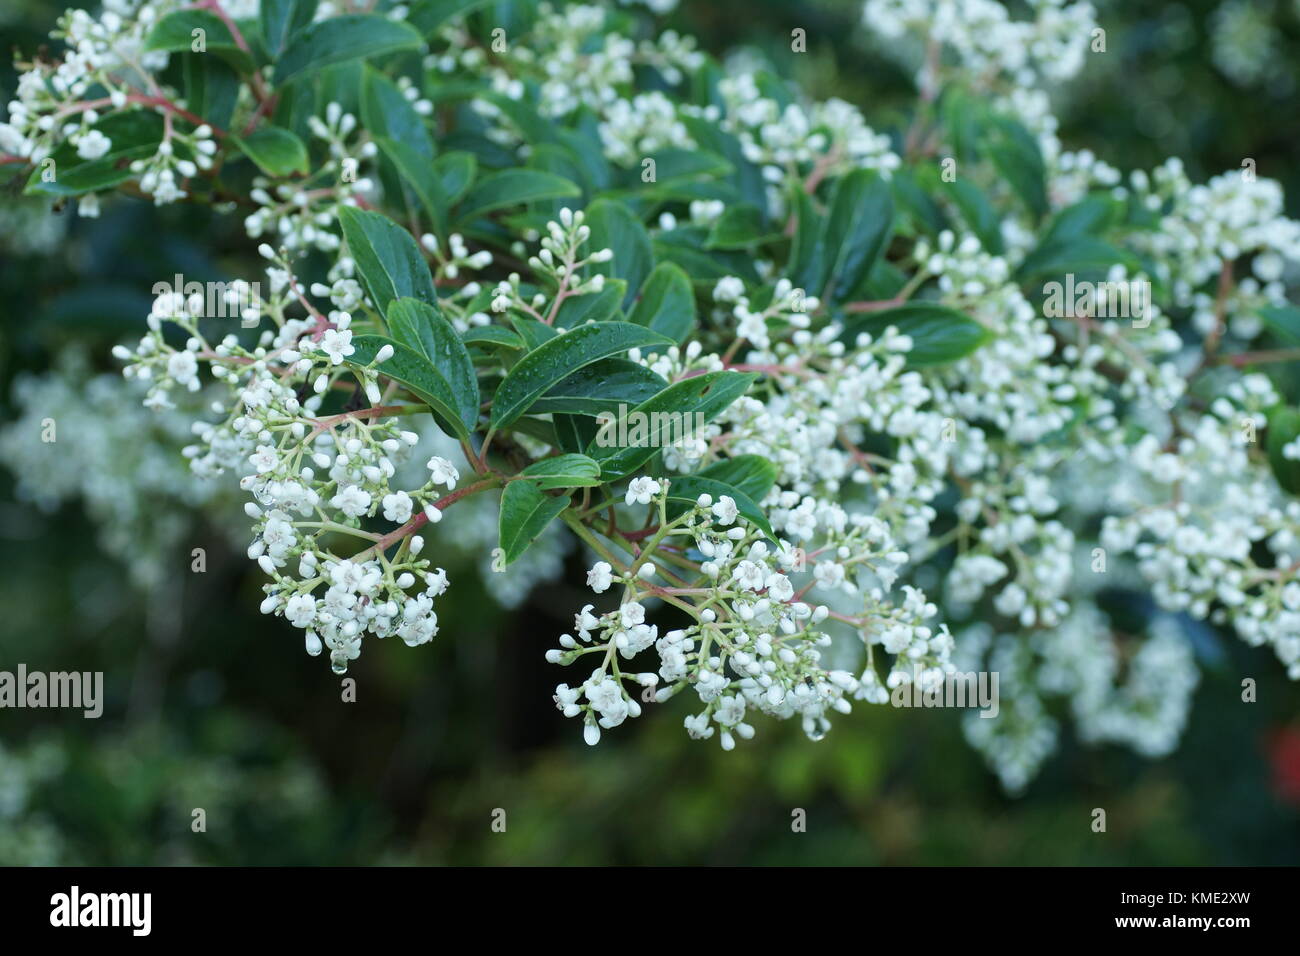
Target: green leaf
1284,320
602,386
1073,254
428,15
563,471
277,152
707,396
614,227
939,334
493,335
281,19
422,328
752,474
553,361
417,373
666,303
533,333
513,187
455,171
808,266
599,306
337,40
389,262
211,87
684,491
573,432
979,215
739,227
386,112
417,172
1283,428
176,33
858,227
525,513
1090,216
1016,155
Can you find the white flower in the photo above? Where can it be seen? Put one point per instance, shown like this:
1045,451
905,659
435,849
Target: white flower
352,501
749,575
264,459
600,577
631,613
397,507
442,472
300,611
725,510
337,344
641,491
93,144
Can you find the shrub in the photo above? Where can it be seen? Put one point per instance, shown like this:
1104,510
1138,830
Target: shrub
809,393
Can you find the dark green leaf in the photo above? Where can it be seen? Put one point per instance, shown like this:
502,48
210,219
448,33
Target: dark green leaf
277,152
417,373
939,334
706,396
525,513
1283,429
281,19
603,386
421,327
553,361
614,227
599,306
563,471
513,187
389,262
858,226
337,40
752,474
1284,320
666,303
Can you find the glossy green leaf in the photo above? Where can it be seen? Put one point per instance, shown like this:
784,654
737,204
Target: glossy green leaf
614,227
671,411
413,370
513,187
339,39
197,31
563,471
1283,429
752,474
666,303
525,513
599,306
281,19
423,328
859,223
1284,320
390,264
739,227
603,386
553,361
493,335
277,152
939,334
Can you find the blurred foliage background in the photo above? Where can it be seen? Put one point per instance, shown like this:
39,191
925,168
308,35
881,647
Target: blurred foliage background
211,705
